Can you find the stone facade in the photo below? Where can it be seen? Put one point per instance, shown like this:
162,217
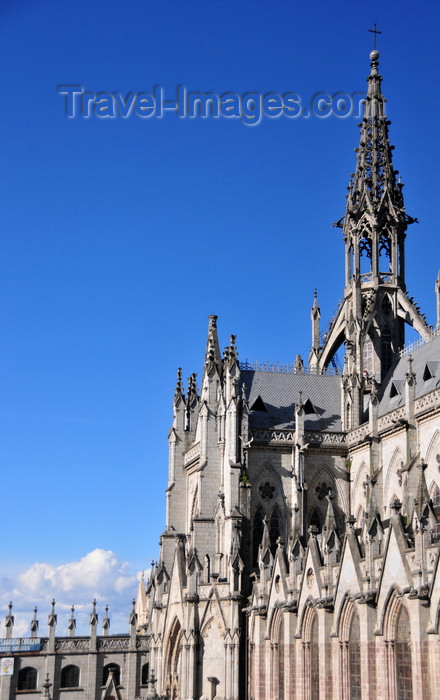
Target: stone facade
300,555
96,666
299,559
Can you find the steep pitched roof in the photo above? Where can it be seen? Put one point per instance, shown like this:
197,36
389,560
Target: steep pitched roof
425,355
280,390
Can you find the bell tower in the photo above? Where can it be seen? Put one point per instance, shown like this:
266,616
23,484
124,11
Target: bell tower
370,320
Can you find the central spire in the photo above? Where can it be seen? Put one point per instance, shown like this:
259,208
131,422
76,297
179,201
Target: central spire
375,220
370,320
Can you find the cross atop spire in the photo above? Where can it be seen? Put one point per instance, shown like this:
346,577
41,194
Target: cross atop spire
374,31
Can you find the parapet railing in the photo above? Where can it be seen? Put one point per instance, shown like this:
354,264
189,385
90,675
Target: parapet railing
407,349
287,368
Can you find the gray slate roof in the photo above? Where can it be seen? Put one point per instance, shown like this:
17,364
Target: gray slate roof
428,354
280,392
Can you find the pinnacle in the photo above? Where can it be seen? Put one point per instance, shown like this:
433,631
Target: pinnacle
212,354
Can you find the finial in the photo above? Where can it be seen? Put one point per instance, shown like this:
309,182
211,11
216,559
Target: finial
298,365
410,375
71,624
9,622
46,687
179,381
396,506
106,621
52,612
93,615
34,623
231,353
210,354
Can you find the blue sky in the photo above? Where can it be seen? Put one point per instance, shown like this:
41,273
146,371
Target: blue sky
120,236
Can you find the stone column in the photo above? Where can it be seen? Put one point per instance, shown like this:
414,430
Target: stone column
93,681
132,689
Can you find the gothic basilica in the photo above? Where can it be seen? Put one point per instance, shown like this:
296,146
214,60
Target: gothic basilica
300,555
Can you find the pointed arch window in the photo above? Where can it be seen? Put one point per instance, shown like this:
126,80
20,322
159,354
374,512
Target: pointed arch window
314,659
385,259
403,656
367,355
257,534
274,528
27,678
386,305
70,677
278,660
348,416
206,569
365,246
435,496
145,674
315,520
115,670
173,661
387,349
354,658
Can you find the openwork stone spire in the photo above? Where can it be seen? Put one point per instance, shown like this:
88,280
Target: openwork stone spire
375,220
371,317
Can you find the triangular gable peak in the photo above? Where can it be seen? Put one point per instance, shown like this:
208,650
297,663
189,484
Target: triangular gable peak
178,573
311,584
395,563
373,534
213,608
296,563
193,565
279,583
162,575
350,577
423,517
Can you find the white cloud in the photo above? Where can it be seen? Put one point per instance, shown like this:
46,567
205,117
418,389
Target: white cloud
100,574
